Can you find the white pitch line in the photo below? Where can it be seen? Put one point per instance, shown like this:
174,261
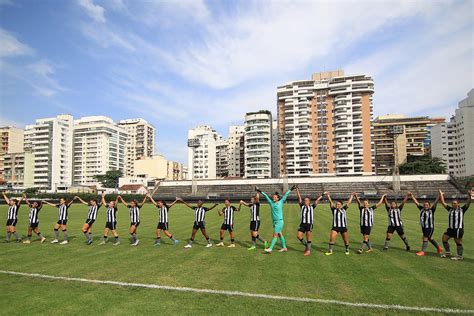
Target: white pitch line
245,294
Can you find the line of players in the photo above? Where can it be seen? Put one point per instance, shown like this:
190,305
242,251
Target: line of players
339,222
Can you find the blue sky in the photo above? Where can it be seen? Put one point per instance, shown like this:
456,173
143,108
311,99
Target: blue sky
183,63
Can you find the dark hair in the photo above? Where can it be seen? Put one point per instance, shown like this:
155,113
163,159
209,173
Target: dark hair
277,194
227,199
95,200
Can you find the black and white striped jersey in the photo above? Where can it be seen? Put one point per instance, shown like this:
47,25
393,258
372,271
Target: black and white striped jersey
13,211
111,214
62,211
255,212
427,216
33,216
134,213
456,217
163,213
229,215
339,218
92,214
307,213
395,216
367,215
200,213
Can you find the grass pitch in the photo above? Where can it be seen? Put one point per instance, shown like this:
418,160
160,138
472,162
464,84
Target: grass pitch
392,277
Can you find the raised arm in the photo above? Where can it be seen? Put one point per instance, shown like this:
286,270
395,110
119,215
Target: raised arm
349,201
318,199
238,208
103,199
50,204
436,201
331,203
212,207
244,203
265,196
5,197
441,199
405,199
26,200
382,199
386,202
121,200
185,203
154,202
468,202
287,193
298,193
81,200
257,197
70,202
414,199
144,200
173,203
357,200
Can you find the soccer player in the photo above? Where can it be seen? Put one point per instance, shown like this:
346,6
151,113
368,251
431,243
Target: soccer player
276,206
339,223
33,226
255,221
163,209
91,217
427,213
63,208
455,225
367,221
395,222
228,224
134,209
12,217
307,220
199,221
111,221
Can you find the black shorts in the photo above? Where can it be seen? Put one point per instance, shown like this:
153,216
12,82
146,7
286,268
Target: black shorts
163,226
339,229
254,226
33,225
62,222
398,229
455,233
90,222
136,224
304,227
365,230
111,225
228,227
12,222
198,225
427,232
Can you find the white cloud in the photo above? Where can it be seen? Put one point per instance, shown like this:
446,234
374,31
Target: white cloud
106,37
11,47
95,11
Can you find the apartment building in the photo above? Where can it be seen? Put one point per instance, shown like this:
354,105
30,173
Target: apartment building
99,146
50,142
11,142
325,125
222,158
412,139
202,142
258,144
140,141
453,141
236,141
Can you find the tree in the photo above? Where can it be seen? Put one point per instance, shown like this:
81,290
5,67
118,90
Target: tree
31,190
424,165
110,179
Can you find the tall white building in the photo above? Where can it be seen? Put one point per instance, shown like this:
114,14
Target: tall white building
236,143
140,142
258,144
99,146
202,159
50,141
275,150
453,142
325,125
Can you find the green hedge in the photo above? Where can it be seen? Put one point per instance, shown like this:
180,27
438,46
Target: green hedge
84,196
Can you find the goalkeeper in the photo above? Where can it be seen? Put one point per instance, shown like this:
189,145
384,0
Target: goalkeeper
276,205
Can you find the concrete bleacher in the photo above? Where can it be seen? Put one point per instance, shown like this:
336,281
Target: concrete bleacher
372,187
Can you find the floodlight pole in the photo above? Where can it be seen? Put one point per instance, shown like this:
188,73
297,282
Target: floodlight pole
283,138
193,143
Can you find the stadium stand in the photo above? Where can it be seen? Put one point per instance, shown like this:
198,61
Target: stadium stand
372,187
